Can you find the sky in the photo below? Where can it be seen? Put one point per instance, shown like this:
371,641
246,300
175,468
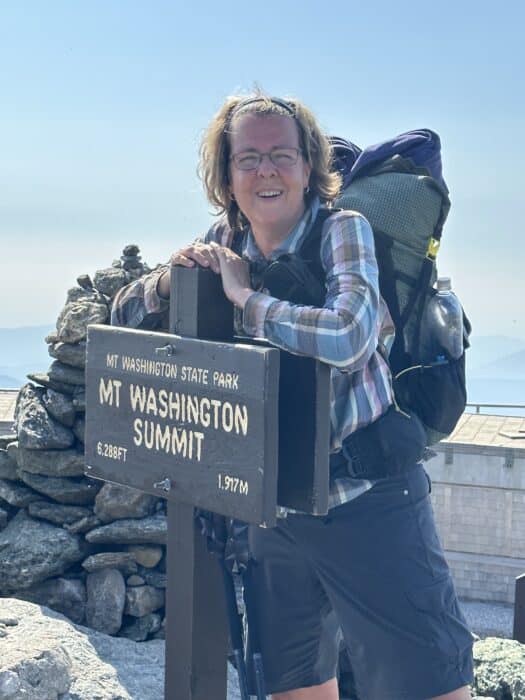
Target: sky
103,105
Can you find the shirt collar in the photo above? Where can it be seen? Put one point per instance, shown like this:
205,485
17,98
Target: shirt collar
292,241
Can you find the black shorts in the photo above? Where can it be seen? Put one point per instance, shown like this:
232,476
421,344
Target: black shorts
378,564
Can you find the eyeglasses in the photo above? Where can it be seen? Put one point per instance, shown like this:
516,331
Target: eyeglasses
280,157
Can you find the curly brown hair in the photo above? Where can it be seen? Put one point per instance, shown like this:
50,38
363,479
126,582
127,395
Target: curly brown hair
215,150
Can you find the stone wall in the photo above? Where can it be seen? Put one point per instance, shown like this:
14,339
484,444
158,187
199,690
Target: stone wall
93,551
478,496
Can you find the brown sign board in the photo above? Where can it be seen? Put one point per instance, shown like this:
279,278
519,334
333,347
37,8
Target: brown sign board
194,421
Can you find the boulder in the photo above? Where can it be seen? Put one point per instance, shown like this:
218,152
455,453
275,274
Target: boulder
90,522
75,317
73,354
73,491
153,578
153,529
57,514
60,372
140,628
32,551
7,466
79,428
106,595
37,429
146,555
60,407
123,561
499,668
142,600
64,595
110,280
115,502
45,381
51,462
16,494
102,667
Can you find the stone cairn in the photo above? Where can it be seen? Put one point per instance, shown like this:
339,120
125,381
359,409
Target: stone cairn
93,551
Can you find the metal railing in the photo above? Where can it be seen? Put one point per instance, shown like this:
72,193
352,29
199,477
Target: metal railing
479,406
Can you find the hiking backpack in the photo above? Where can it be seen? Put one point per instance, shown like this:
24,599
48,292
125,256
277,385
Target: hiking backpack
399,187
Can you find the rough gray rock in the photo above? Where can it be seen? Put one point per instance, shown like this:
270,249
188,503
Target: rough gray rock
4,517
57,514
37,430
499,668
123,561
79,399
45,381
153,578
142,600
73,354
146,555
60,372
16,494
106,595
64,595
81,293
102,667
115,502
135,580
7,466
51,462
60,407
140,628
73,491
90,522
75,317
32,551
110,280
152,530
79,428
46,675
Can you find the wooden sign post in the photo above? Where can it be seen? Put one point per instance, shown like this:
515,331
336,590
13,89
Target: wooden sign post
233,427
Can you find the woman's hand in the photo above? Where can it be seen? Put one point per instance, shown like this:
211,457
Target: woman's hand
203,254
235,274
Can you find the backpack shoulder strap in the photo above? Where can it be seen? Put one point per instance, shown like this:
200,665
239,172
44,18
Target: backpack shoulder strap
310,249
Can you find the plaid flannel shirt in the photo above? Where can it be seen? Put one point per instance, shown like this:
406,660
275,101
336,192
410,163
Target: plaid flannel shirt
345,333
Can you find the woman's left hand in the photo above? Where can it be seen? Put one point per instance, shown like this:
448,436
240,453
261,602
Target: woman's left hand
235,273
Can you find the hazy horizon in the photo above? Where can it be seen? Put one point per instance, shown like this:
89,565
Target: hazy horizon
104,105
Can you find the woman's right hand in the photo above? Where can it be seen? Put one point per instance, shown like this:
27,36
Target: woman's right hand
203,254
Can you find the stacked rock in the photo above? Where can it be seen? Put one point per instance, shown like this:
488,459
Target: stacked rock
92,551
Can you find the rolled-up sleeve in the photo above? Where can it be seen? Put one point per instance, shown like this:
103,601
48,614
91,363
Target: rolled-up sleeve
138,305
344,332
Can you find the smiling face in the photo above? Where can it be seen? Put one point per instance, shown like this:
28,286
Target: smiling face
270,197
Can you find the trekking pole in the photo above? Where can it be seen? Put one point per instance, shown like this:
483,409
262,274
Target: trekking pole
235,624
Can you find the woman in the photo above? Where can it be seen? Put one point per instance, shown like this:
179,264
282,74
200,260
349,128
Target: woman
375,559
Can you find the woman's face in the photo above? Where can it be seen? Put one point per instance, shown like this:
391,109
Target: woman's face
271,197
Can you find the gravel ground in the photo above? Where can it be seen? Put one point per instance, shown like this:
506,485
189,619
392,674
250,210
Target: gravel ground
489,619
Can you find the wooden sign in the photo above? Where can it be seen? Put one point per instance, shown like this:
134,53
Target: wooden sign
192,420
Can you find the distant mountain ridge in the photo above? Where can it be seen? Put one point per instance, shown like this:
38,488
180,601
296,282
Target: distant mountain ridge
22,350
490,349
509,367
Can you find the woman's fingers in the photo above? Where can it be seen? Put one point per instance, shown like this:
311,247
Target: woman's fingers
203,254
